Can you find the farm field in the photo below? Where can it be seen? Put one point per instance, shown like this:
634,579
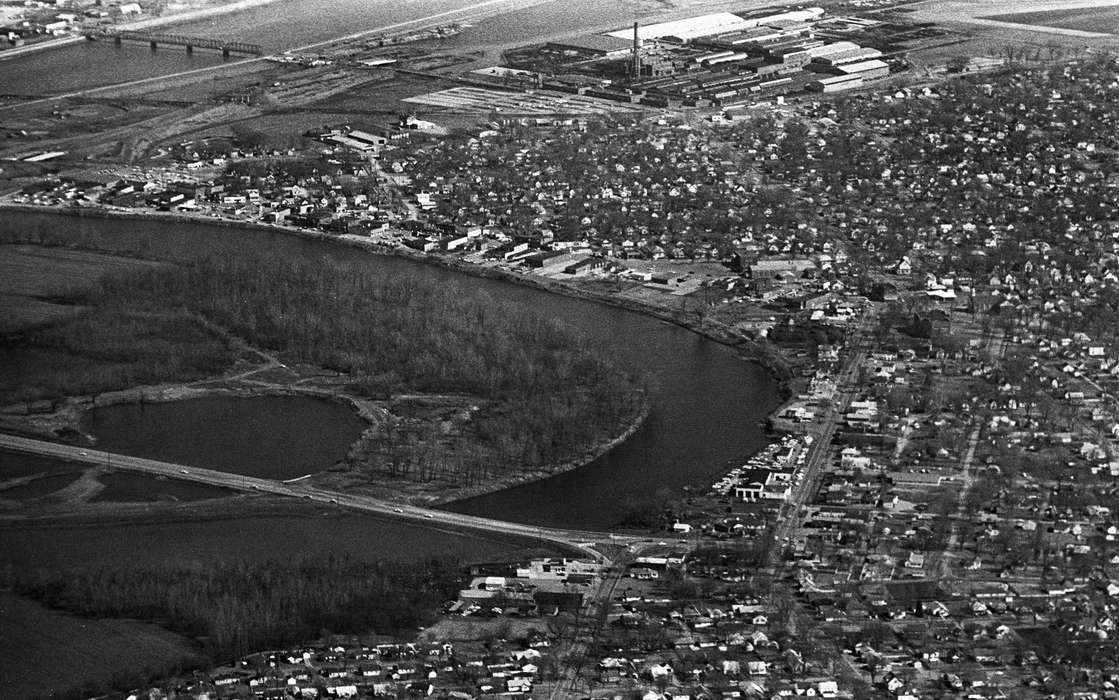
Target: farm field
34,279
1085,19
81,652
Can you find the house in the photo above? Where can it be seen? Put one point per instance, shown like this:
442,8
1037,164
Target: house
756,484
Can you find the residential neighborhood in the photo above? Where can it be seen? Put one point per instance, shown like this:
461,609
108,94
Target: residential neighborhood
926,261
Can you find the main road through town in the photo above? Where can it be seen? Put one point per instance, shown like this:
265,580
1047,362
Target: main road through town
846,382
583,541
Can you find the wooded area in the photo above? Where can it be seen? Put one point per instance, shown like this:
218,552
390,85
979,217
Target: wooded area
234,609
545,392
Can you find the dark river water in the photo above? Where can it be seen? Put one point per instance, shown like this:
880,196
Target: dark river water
275,437
707,403
291,24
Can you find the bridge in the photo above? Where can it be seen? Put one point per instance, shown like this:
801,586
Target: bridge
580,540
190,42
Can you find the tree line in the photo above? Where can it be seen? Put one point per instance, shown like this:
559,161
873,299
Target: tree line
236,608
546,391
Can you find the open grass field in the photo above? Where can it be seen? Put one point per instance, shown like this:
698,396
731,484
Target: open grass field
45,653
34,280
1085,19
70,118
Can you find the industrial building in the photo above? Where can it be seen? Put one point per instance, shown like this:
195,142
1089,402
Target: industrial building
714,59
851,55
690,28
836,83
721,23
592,46
867,70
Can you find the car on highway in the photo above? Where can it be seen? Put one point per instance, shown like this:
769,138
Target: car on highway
83,453
397,510
428,515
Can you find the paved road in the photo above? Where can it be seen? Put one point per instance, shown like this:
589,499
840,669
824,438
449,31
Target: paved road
942,569
583,541
582,645
793,511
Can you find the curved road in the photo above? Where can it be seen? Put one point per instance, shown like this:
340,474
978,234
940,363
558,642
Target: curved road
584,541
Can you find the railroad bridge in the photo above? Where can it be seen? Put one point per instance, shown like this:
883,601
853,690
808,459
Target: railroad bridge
190,42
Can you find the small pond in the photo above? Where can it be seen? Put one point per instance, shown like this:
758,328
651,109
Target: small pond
271,437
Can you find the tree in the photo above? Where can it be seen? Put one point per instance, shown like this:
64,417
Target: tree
957,64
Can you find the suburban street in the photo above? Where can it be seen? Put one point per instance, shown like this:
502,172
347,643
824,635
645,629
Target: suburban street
583,541
802,492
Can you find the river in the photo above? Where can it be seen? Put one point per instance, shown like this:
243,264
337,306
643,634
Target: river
707,402
291,24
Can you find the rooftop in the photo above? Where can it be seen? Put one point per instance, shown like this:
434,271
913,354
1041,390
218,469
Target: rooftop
690,28
597,43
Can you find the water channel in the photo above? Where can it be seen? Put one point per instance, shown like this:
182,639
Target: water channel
707,402
291,24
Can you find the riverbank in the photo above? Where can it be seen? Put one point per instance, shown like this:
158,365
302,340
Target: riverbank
191,15
761,352
147,23
365,470
66,422
438,493
16,52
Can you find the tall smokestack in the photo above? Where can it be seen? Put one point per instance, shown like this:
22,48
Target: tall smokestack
635,68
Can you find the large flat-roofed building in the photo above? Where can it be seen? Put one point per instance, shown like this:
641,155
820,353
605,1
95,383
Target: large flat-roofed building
868,70
690,28
594,45
859,53
836,83
834,49
809,14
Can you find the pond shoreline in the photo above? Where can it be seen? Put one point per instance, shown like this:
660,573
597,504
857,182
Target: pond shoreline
759,352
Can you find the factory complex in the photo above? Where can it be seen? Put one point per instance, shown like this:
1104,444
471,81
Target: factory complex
720,59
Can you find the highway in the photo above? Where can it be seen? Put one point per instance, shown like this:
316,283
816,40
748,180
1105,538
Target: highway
580,540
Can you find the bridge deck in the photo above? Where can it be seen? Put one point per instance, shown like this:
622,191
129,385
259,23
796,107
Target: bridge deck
191,42
582,541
